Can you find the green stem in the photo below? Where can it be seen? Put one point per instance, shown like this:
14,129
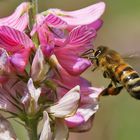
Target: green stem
32,124
32,12
32,19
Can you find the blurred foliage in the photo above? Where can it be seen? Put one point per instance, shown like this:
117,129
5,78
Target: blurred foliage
118,117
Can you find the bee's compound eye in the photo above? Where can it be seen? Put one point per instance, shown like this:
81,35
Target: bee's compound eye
97,52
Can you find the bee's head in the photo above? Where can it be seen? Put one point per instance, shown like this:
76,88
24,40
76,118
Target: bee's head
100,51
95,55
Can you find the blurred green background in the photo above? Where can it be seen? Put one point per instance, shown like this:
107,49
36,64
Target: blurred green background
118,117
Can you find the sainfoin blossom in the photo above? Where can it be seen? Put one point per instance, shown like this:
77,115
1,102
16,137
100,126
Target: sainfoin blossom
41,67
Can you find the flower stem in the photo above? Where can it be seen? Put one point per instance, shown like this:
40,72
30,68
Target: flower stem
32,19
32,124
32,12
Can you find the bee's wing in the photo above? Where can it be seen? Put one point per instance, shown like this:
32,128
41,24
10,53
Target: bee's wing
133,59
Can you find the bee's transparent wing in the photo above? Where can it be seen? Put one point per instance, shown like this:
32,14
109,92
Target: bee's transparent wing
133,59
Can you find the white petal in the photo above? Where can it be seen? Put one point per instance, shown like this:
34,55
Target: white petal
46,131
35,93
61,132
88,110
67,105
39,67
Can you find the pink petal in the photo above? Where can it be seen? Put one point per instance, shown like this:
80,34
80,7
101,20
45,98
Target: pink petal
89,14
74,121
3,79
68,55
58,33
20,25
80,36
46,37
18,19
47,50
8,93
71,62
13,40
54,21
96,25
20,59
86,126
50,20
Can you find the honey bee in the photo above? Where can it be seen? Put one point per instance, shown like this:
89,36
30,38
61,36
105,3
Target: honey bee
122,75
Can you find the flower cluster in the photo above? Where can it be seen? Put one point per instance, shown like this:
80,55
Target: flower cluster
40,68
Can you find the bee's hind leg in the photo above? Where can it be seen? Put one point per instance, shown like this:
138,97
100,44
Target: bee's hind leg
111,90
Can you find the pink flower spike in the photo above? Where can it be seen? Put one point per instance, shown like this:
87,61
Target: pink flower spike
74,18
19,19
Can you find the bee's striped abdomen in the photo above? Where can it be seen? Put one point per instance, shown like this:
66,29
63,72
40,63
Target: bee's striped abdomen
129,78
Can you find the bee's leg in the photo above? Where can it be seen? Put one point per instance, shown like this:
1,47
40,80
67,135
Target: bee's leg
111,90
88,52
106,75
94,69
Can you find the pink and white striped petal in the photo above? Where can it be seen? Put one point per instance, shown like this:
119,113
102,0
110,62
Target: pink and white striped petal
50,20
17,44
81,35
19,19
74,18
13,40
